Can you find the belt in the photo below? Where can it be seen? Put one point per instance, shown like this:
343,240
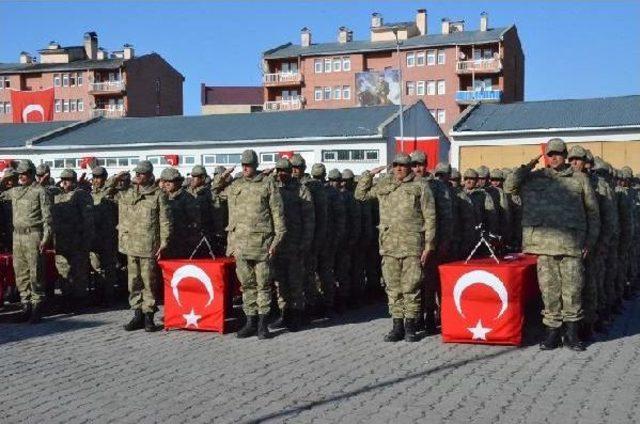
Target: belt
27,230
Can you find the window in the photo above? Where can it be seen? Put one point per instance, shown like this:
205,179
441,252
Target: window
327,93
58,163
441,87
317,65
70,163
56,80
346,63
72,80
420,88
431,88
483,84
2,107
120,104
134,161
411,59
346,92
327,65
371,155
329,156
411,88
433,113
72,105
431,57
80,105
224,158
155,160
79,78
337,93
112,162
58,108
100,161
420,59
65,80
157,82
208,159
7,108
187,160
49,163
6,83
157,109
123,162
267,157
337,64
65,105
349,155
317,94
441,57
441,116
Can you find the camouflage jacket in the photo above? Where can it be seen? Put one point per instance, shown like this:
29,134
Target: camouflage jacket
484,209
336,218
256,217
203,196
185,218
299,214
6,223
31,209
626,218
73,221
105,213
407,214
353,218
444,211
609,228
466,223
320,212
144,221
503,211
559,210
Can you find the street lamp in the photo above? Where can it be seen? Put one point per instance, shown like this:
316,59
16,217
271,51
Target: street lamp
400,111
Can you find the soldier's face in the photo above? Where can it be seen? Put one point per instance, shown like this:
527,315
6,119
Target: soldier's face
556,160
40,178
67,184
470,183
419,169
283,175
248,171
25,179
577,164
481,182
400,172
455,183
496,183
197,181
335,183
98,182
297,172
143,179
170,186
9,183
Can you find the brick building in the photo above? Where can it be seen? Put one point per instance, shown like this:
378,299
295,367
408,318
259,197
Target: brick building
227,99
448,70
89,82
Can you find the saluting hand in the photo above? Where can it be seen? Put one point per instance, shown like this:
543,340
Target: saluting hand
377,170
533,162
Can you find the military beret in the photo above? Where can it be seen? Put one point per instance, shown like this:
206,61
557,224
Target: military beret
483,172
347,174
318,170
577,152
555,145
144,167
496,174
470,173
218,170
170,174
284,164
334,174
455,174
249,157
26,166
298,161
198,171
418,156
68,173
402,159
443,168
99,171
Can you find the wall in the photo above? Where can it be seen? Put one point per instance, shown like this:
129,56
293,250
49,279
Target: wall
222,109
142,97
512,80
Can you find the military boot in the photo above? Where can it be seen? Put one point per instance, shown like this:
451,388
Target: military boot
249,328
263,329
295,320
571,339
136,323
36,314
149,325
410,330
25,313
585,331
552,339
430,324
397,332
282,320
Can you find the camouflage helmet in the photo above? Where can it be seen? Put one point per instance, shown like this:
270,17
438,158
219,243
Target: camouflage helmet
470,173
26,167
9,173
589,156
170,174
443,168
42,169
402,159
506,171
347,174
483,172
144,167
284,164
219,170
297,161
599,164
249,157
198,171
455,174
334,175
627,172
99,172
496,174
418,156
318,170
68,174
577,152
556,145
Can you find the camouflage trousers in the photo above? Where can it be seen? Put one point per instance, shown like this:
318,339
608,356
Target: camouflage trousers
357,274
103,264
325,281
561,280
28,267
403,278
431,284
143,282
73,268
592,288
255,280
289,276
611,276
310,291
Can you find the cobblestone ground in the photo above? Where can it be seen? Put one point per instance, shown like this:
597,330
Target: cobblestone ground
86,369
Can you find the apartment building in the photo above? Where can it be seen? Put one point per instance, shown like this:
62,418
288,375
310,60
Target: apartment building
230,99
89,81
448,69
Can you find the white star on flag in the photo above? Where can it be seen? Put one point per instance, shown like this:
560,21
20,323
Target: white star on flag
479,332
191,319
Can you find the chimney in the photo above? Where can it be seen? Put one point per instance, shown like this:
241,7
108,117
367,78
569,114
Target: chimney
91,45
25,57
484,21
53,45
101,54
445,26
344,35
128,51
305,37
376,20
421,21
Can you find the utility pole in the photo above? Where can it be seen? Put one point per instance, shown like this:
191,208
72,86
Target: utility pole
400,111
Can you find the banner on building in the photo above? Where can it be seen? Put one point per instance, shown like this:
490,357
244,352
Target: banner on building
376,88
32,106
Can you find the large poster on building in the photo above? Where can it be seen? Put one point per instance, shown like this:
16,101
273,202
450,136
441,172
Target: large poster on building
377,88
32,106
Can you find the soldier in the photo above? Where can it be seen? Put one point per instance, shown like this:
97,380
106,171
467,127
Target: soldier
220,216
43,175
483,206
73,229
455,178
256,230
561,225
483,177
347,259
203,195
501,202
299,216
104,246
185,216
626,207
8,182
407,238
31,216
340,264
627,175
145,227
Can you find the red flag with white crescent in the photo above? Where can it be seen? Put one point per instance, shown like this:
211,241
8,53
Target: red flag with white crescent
172,159
32,106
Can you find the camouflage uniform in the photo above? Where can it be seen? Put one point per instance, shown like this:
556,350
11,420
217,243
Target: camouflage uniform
204,199
185,217
6,223
345,255
501,202
484,208
220,217
466,224
626,215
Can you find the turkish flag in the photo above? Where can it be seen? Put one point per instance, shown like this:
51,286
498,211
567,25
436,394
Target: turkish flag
483,301
32,106
5,163
286,155
87,162
171,159
196,293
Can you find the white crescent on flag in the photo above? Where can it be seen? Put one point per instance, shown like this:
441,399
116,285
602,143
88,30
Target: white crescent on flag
192,271
480,277
32,108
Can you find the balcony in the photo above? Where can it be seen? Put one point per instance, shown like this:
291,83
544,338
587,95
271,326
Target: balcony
280,79
107,87
288,104
480,66
468,97
108,113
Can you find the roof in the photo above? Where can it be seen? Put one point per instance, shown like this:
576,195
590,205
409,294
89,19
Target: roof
348,122
454,38
218,95
568,113
15,135
26,68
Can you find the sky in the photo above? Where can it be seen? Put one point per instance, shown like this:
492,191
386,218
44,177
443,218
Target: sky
573,49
